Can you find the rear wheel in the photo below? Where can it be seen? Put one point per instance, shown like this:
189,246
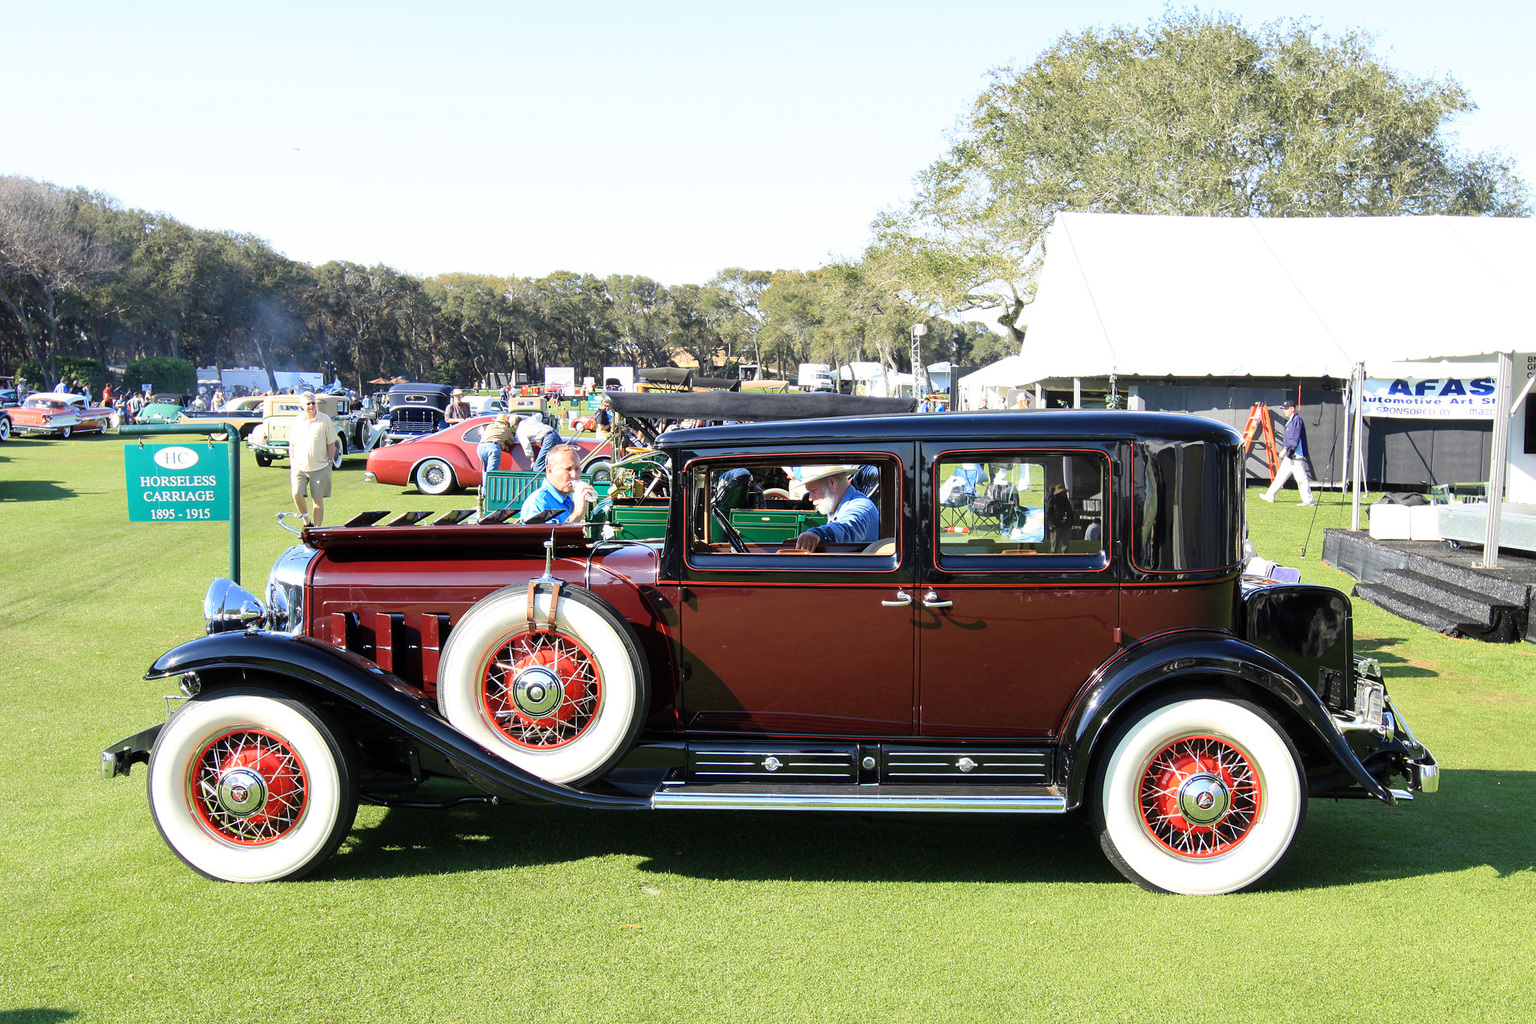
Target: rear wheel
5,428
434,476
341,451
263,459
64,432
251,786
1199,796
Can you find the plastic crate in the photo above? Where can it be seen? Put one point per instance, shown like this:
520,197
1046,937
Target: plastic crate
506,488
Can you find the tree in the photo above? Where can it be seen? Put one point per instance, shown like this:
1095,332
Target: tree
1195,115
162,373
739,310
45,255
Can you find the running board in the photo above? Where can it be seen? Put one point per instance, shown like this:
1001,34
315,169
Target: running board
755,797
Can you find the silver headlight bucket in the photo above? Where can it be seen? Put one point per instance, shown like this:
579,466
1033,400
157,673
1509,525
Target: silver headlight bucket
229,607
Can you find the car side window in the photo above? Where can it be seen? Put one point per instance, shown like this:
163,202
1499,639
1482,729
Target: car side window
791,506
1003,504
472,435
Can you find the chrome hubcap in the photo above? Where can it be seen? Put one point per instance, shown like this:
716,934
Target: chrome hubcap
536,692
1204,799
241,792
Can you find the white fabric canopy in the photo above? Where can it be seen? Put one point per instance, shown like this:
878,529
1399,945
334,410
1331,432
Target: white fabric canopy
1297,297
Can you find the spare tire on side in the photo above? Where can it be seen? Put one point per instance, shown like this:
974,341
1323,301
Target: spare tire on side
562,699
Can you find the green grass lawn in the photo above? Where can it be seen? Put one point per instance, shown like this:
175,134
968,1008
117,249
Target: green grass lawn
1420,913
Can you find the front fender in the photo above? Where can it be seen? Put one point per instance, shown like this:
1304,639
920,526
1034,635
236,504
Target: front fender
1171,661
364,686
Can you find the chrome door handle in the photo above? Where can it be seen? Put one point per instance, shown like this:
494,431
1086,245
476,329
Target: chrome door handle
931,600
903,600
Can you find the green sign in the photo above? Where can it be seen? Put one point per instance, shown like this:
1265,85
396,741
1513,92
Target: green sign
171,483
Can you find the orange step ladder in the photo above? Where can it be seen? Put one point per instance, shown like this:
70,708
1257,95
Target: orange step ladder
1259,422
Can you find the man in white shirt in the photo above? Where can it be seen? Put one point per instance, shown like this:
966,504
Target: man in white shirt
312,445
537,439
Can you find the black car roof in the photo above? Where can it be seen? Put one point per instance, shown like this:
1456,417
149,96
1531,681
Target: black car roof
1054,424
437,389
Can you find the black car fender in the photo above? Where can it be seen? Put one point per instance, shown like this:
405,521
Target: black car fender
1194,660
223,659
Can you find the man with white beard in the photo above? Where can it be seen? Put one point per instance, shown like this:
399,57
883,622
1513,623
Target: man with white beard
851,517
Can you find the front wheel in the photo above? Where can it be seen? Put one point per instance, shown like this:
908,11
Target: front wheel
251,786
1199,796
434,476
5,428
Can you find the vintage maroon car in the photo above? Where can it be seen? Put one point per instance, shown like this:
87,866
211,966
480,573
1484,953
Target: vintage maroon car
445,462
1041,611
53,412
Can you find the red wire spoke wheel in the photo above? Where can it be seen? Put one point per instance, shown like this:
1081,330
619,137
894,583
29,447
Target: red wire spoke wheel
560,693
1199,795
251,785
542,690
248,787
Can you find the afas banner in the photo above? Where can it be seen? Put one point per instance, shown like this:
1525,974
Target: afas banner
1430,398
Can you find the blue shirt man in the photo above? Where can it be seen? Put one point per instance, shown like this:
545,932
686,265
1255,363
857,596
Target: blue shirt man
851,517
563,491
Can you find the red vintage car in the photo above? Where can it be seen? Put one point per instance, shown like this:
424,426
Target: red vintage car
446,461
52,412
922,654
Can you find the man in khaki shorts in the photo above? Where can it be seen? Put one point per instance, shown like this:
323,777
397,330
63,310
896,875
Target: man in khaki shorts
311,447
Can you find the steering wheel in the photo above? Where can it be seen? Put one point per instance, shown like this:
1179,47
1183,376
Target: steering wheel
732,535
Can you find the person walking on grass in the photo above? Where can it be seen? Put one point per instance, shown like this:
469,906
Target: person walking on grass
312,445
1293,447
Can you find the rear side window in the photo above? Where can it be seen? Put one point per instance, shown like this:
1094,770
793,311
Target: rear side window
1188,502
1006,505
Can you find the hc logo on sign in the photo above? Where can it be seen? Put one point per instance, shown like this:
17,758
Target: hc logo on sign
175,457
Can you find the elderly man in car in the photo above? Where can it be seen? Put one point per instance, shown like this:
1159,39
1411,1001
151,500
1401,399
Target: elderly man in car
851,517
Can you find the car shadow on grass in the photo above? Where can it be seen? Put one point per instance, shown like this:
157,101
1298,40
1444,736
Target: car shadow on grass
1479,819
724,845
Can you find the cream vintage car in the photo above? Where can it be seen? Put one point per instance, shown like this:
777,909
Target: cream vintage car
278,412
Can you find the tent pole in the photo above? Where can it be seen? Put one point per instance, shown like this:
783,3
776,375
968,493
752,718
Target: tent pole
1356,452
1498,460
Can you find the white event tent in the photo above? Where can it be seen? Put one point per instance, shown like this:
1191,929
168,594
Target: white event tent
1295,297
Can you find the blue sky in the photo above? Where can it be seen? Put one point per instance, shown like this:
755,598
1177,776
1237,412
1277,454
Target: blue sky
670,139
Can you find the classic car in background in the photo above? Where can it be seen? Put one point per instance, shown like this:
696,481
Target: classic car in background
244,414
1079,634
446,461
166,408
415,410
269,439
53,412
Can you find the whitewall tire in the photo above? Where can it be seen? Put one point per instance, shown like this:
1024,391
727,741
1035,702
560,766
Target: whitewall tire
564,704
251,786
1199,796
434,476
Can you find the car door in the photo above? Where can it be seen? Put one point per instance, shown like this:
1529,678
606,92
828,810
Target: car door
1017,603
781,643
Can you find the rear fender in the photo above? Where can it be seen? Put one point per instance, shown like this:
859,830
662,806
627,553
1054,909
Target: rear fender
354,682
1195,660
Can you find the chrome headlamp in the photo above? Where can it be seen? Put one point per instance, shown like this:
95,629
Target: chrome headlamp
229,607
